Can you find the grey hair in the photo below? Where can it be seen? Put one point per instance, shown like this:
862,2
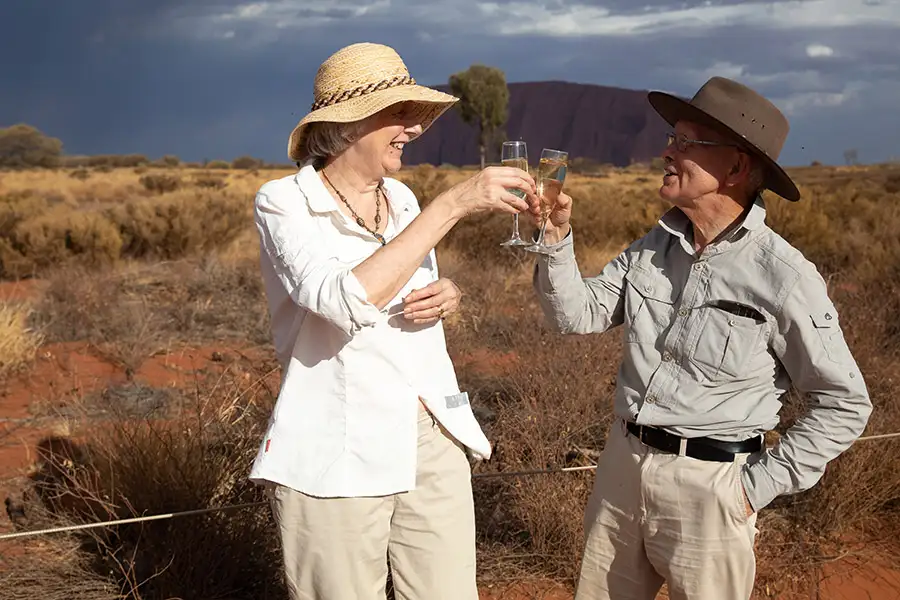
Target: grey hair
756,180
326,139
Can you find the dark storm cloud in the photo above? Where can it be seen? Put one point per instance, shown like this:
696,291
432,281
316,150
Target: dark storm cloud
214,78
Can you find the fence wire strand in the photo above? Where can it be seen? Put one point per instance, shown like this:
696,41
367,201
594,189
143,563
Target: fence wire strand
200,511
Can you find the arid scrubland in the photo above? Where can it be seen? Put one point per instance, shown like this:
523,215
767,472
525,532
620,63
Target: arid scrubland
130,263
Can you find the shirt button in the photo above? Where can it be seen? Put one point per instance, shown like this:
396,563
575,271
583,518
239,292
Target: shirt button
651,399
698,266
683,312
667,356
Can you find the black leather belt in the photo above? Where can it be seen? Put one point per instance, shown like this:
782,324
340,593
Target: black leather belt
703,448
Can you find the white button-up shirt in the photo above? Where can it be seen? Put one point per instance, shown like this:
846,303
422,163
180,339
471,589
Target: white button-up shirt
344,423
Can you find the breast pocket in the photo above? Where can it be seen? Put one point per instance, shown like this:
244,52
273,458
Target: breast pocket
649,306
727,342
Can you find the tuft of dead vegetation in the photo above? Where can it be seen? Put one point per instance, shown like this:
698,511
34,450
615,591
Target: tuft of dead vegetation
132,313
132,467
18,341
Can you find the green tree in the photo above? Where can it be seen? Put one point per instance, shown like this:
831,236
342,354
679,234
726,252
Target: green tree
23,146
483,101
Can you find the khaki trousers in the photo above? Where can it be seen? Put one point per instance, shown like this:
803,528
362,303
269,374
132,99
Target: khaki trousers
655,517
337,548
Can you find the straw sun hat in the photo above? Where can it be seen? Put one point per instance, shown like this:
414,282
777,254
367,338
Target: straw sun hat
358,81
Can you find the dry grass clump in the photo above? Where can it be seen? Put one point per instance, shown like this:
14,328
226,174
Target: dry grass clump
18,341
160,183
132,467
131,313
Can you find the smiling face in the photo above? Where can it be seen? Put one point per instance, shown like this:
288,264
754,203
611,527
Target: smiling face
380,147
696,171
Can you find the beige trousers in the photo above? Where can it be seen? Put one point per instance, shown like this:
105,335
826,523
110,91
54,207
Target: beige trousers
655,517
338,548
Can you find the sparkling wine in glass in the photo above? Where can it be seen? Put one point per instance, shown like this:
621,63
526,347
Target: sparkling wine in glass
515,154
550,178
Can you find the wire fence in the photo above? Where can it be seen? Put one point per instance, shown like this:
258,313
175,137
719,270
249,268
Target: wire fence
201,511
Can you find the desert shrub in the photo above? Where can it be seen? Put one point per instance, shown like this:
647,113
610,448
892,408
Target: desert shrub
18,341
23,146
114,161
170,160
36,234
16,207
218,164
133,467
210,181
160,183
247,162
52,236
80,174
179,224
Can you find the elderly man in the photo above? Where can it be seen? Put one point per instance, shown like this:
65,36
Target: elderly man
721,317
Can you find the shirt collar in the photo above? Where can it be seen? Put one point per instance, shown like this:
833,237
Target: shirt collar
676,222
321,201
317,195
756,216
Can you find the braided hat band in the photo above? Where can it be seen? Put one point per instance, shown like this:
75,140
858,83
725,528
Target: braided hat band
360,80
363,90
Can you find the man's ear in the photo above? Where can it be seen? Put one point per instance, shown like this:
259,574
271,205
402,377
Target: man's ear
740,170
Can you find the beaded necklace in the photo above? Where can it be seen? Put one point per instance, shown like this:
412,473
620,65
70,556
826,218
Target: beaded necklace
359,220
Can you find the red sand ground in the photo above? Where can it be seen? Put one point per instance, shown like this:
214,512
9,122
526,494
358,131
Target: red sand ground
65,372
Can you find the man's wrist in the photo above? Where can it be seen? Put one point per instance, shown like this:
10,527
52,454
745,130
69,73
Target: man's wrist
557,234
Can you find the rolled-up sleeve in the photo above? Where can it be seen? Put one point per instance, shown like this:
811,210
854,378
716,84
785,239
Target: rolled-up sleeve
311,276
573,304
810,345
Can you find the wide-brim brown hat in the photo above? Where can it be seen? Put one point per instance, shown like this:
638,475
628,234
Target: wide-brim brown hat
741,114
360,80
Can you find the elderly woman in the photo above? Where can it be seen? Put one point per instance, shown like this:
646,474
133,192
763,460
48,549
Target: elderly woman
365,454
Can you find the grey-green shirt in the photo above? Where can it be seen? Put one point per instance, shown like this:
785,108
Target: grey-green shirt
712,341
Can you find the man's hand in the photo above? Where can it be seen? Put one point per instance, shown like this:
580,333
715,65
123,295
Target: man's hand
432,302
747,505
558,222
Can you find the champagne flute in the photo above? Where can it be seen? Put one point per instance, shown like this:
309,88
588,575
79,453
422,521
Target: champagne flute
551,175
515,154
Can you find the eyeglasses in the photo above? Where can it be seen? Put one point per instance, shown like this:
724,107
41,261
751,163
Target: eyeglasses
681,142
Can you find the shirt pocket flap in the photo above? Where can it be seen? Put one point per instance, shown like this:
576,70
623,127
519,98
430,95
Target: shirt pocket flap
823,320
652,284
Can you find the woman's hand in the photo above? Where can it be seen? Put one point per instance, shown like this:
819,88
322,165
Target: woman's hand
432,302
488,190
